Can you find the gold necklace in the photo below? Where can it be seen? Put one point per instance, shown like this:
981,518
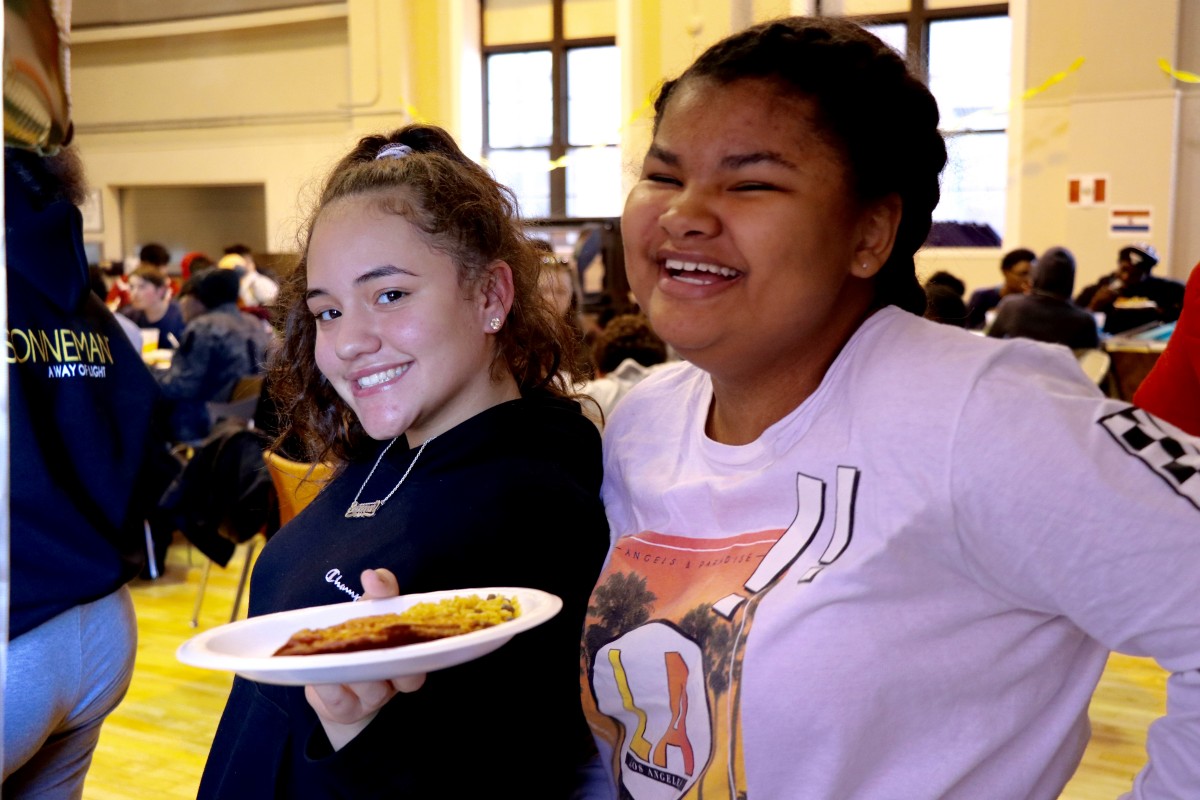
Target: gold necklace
358,510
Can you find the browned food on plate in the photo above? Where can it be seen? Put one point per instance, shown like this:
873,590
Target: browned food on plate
422,622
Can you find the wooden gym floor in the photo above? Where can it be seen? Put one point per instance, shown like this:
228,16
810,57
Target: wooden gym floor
156,742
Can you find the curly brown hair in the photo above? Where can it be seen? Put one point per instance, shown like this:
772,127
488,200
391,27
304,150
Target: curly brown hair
628,336
461,211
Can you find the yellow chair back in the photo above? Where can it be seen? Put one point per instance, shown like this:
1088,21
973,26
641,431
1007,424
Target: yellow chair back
296,483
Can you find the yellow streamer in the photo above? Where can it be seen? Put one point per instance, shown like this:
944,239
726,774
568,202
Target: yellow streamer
1057,77
1177,74
413,114
563,161
648,104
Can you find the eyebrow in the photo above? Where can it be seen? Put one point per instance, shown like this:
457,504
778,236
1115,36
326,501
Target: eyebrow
728,162
382,271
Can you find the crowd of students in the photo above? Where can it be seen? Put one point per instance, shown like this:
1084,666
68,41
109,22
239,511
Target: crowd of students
1036,298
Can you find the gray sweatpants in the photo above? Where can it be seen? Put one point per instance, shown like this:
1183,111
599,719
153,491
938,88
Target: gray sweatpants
64,677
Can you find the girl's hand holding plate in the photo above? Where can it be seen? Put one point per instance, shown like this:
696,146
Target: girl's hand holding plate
346,709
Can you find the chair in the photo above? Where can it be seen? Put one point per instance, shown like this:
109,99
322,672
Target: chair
223,499
250,547
1095,364
242,403
296,483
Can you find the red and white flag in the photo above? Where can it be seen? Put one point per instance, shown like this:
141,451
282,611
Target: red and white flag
1087,190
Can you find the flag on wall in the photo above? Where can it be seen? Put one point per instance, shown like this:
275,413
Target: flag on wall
1087,190
1129,221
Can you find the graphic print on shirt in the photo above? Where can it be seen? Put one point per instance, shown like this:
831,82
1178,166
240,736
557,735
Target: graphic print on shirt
1172,454
64,352
666,632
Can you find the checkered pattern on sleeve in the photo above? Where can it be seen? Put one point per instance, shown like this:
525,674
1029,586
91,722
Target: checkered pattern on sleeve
1172,454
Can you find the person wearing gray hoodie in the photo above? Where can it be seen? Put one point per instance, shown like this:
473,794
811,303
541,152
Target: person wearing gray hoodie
1047,313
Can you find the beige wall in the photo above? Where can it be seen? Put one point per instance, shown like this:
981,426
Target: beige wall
1115,116
190,105
274,98
217,216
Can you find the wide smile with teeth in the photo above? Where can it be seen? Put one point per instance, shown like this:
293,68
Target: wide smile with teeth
698,273
367,381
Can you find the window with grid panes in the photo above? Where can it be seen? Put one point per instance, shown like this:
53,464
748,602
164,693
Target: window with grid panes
551,87
964,51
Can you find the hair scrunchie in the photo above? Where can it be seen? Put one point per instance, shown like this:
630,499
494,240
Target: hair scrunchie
394,150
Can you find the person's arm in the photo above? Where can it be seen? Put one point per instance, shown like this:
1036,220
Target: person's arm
1172,389
345,710
184,378
1091,518
1100,296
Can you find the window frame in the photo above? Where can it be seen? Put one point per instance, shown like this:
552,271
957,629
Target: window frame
917,21
918,18
558,45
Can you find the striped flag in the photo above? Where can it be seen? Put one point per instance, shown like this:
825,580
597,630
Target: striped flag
1125,221
1087,190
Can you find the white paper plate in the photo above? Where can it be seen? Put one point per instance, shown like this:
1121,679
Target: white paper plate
245,647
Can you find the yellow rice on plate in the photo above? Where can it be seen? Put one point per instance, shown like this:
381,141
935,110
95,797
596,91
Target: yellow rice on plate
422,622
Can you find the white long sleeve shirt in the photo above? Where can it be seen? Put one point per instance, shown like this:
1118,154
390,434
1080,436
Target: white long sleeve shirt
906,588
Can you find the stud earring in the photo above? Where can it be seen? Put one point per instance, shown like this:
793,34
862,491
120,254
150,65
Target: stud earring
866,265
496,323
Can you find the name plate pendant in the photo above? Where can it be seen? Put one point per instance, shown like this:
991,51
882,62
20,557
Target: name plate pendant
359,510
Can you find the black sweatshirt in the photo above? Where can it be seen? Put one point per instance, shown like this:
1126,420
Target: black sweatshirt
81,405
509,497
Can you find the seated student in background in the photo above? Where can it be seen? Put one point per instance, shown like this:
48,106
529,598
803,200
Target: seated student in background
100,289
151,305
1015,267
255,290
1047,313
1131,296
188,303
219,346
559,287
419,360
948,280
944,299
1172,389
624,353
151,255
194,263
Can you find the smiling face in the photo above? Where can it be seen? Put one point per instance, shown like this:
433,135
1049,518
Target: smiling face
401,340
743,241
